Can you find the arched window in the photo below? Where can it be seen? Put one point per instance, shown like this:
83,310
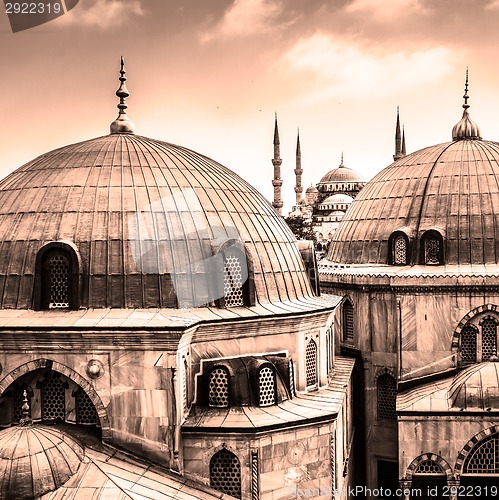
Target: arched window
468,344
484,458
311,363
225,473
218,387
85,409
347,320
266,386
56,283
399,249
387,397
53,391
432,248
489,337
428,477
237,279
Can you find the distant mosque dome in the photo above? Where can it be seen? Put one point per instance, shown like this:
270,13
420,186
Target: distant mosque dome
311,189
338,198
441,200
341,174
36,460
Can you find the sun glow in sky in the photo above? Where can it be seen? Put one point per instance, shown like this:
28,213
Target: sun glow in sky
209,75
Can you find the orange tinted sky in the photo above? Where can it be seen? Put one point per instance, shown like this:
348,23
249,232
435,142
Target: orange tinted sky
209,75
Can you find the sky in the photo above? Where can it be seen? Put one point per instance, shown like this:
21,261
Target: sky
210,75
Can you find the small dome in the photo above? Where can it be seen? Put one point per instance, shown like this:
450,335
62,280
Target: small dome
36,460
476,387
338,199
341,174
311,189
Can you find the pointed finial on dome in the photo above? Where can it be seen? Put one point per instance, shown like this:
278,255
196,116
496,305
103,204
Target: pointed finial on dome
25,421
122,124
465,128
341,164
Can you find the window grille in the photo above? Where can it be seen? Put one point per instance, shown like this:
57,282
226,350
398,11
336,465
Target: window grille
400,250
266,385
347,320
59,282
428,467
468,344
85,409
432,250
311,363
387,397
18,396
332,452
53,398
489,338
233,280
218,391
292,377
484,458
225,473
184,388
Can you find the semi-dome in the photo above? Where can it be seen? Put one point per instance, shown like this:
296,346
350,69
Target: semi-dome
145,224
448,192
36,460
338,198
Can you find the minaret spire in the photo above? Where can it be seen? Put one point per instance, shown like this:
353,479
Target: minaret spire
122,124
398,139
403,141
298,172
276,161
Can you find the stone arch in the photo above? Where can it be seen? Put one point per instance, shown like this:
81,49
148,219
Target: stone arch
463,454
477,310
36,364
434,458
383,371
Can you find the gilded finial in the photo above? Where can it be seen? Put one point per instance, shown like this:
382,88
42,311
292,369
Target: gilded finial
25,421
122,124
341,164
465,128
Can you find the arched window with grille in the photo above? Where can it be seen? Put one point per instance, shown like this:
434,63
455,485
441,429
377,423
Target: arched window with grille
399,248
428,481
218,387
266,386
237,278
56,277
387,396
481,467
311,363
185,395
225,473
468,344
489,337
432,248
347,320
85,409
53,392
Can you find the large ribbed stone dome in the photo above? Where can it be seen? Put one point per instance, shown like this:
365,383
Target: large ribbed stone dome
145,219
452,188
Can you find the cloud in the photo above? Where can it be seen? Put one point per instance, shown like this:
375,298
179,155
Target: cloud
493,5
246,18
104,14
350,68
387,10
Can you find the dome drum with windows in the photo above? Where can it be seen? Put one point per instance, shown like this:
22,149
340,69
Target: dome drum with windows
434,206
130,222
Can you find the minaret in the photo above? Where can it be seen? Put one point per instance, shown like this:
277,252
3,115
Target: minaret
298,172
277,181
403,141
398,139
